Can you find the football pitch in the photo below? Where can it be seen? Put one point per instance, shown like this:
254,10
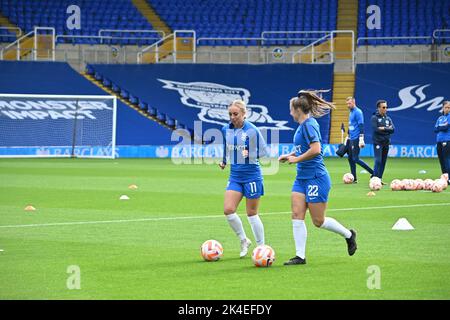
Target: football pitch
82,242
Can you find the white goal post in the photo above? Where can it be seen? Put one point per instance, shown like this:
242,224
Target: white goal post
41,125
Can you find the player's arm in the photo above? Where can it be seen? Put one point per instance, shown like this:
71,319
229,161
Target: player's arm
285,157
441,127
390,129
263,150
223,163
360,122
374,123
314,150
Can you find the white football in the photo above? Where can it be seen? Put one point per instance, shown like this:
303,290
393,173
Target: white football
263,256
375,184
420,184
211,250
396,185
348,178
438,186
428,184
409,184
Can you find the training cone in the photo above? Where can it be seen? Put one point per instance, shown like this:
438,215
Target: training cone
132,187
30,208
371,194
124,197
402,224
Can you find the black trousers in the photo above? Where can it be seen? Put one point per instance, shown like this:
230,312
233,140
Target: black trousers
353,157
381,154
443,151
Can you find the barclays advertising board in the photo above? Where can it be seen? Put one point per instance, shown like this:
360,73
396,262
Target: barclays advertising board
202,151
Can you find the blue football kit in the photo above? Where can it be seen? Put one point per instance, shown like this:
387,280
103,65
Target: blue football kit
442,128
245,172
312,177
355,123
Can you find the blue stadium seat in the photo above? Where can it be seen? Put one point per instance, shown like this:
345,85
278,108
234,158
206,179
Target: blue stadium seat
98,76
115,88
107,82
406,18
152,111
246,19
143,105
170,122
160,116
133,99
103,14
124,93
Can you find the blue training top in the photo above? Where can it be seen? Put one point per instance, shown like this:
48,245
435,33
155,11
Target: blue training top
235,141
307,133
355,123
442,128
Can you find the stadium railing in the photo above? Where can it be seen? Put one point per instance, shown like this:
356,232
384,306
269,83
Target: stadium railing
155,47
402,55
18,32
241,50
36,38
394,40
437,35
160,34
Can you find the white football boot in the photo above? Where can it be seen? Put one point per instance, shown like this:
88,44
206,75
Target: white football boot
245,244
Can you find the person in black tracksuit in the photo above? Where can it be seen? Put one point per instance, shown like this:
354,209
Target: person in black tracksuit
442,129
382,127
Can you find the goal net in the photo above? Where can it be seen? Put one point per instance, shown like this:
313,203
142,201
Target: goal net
57,126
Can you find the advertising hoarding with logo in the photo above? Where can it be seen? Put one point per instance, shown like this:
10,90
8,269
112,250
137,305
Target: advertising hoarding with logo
414,95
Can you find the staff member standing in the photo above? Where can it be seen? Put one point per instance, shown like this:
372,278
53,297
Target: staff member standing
382,127
356,137
442,128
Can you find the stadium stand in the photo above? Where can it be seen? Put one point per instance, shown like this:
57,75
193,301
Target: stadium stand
248,19
59,78
413,20
95,15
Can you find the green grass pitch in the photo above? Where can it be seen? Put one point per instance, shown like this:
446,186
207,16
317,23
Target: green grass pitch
148,247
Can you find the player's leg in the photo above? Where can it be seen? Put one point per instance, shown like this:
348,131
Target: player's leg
356,158
232,198
351,160
377,160
317,198
298,206
253,191
254,220
441,157
384,156
446,157
317,211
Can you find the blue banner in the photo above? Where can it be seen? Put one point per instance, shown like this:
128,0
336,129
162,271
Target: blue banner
202,92
414,94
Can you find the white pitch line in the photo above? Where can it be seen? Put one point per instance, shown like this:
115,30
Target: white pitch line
210,217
